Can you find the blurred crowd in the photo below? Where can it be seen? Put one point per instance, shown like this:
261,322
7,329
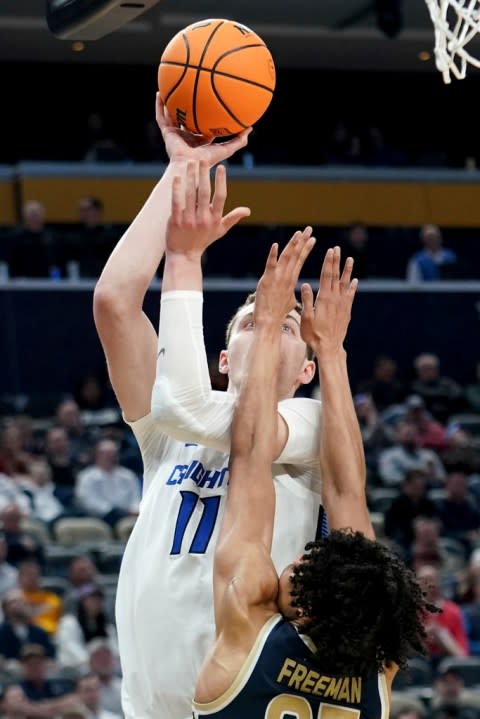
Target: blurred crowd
70,489
35,248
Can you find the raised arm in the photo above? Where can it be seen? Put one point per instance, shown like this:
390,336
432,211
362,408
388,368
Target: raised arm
127,336
342,460
244,545
183,402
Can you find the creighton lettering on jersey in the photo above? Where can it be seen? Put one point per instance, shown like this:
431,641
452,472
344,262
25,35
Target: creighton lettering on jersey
282,678
208,478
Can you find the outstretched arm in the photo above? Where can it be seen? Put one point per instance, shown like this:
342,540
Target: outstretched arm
244,545
127,336
183,401
324,326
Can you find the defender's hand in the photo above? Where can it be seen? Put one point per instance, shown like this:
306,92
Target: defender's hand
183,145
275,295
324,324
197,220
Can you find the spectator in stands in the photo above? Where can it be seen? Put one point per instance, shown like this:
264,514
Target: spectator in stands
394,462
412,502
21,544
471,610
431,434
90,394
34,675
425,549
449,692
375,435
40,491
465,589
45,606
88,690
426,265
11,494
82,573
13,458
104,664
462,452
472,392
64,469
379,153
69,418
442,395
357,245
102,146
459,511
338,144
384,385
76,629
92,240
34,249
106,489
343,148
29,438
446,636
17,629
8,573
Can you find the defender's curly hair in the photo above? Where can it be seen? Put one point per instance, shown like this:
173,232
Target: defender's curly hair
362,607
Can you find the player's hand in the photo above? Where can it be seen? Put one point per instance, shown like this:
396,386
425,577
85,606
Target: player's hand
183,145
275,295
325,322
197,220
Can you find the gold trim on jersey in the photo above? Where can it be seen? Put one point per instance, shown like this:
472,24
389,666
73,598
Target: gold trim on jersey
384,695
308,642
245,672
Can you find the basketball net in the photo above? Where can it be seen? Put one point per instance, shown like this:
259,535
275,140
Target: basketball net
456,23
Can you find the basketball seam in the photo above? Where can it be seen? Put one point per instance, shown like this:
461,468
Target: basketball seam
185,66
197,76
214,72
217,72
238,49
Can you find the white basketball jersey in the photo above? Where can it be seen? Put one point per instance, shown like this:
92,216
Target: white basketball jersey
164,607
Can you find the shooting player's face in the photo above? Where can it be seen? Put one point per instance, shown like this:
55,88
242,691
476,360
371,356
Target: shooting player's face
295,369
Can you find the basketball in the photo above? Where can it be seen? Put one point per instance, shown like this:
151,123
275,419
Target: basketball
216,78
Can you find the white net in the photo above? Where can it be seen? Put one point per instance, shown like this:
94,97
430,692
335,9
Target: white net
456,24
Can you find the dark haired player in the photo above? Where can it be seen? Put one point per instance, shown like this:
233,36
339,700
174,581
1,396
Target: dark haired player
326,638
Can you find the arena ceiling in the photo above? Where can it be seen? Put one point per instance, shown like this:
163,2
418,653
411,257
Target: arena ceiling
333,34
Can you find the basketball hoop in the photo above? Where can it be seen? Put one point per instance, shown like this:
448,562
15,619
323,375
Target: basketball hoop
456,23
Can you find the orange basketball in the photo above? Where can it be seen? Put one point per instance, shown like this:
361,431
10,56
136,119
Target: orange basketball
216,77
